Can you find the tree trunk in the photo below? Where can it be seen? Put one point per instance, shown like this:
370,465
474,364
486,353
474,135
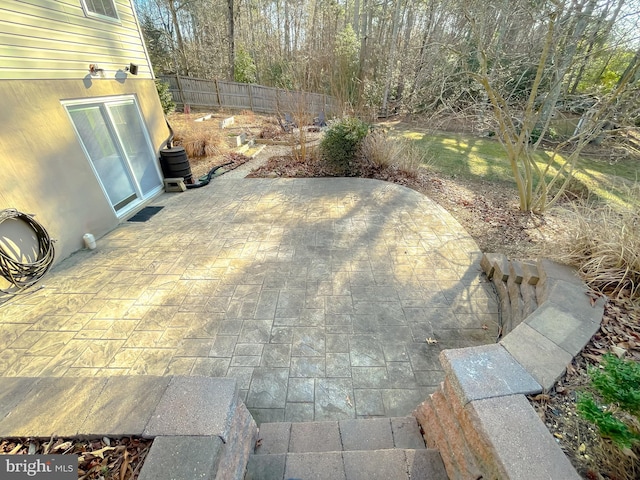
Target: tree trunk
287,33
597,35
253,51
571,45
183,65
363,41
392,58
232,46
406,45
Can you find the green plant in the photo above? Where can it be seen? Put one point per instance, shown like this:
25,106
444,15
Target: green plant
341,141
166,100
245,69
617,384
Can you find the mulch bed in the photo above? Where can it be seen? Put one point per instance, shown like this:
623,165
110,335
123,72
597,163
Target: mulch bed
99,459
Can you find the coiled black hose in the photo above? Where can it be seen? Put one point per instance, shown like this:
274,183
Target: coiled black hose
206,179
23,275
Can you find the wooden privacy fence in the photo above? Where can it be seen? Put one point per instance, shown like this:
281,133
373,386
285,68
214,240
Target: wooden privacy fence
197,92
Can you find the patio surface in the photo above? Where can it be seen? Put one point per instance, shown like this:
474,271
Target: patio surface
317,295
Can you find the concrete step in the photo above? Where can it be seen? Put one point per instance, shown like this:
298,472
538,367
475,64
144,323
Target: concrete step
201,429
386,464
373,448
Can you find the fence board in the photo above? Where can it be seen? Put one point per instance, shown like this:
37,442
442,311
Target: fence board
198,92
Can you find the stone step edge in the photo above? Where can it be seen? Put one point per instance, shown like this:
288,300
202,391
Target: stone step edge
491,381
454,428
415,463
437,438
212,417
391,432
343,451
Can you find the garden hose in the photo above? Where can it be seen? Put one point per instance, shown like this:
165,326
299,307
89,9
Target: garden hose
205,179
23,275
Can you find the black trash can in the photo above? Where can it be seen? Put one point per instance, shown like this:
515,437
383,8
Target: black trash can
174,164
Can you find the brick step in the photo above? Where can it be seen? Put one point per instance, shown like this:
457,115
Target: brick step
342,435
384,464
347,449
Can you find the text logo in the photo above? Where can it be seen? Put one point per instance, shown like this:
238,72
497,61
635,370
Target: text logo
43,467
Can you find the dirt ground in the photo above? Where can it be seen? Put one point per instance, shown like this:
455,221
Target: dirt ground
98,459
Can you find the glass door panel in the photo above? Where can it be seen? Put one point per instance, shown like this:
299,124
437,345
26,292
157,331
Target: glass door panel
128,127
101,146
118,146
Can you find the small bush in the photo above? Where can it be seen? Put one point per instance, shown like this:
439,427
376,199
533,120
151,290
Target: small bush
270,132
341,142
166,100
617,384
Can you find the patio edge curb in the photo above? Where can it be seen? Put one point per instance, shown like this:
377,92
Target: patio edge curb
499,433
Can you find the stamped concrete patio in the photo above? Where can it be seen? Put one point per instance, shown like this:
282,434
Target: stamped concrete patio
318,295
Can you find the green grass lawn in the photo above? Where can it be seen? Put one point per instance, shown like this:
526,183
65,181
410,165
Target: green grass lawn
485,159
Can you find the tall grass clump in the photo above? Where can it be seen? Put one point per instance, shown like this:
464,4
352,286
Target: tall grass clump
341,143
199,139
380,151
606,246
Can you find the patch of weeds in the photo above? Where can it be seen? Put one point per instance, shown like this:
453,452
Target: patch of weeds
616,410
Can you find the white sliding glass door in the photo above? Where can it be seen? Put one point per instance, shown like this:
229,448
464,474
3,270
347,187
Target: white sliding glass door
118,147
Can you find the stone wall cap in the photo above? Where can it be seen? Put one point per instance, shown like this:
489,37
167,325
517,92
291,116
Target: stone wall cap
486,371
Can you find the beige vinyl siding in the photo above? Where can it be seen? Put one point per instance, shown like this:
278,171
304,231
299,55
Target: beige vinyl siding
54,39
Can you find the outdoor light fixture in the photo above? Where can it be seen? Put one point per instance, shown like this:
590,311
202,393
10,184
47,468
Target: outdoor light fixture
95,70
132,69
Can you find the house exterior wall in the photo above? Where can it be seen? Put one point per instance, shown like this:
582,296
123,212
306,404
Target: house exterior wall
45,170
55,39
46,47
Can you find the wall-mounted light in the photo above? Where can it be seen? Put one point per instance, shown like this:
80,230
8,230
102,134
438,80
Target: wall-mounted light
132,69
95,70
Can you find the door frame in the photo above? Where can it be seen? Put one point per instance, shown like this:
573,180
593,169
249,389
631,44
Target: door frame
101,101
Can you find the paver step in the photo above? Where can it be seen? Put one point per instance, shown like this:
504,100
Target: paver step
342,435
385,448
384,464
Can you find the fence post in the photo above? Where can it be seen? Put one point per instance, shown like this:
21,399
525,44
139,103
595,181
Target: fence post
215,80
180,91
250,96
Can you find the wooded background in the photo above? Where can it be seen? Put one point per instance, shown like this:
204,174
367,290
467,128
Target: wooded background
419,56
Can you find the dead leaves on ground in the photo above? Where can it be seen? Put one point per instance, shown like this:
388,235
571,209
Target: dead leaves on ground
100,459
